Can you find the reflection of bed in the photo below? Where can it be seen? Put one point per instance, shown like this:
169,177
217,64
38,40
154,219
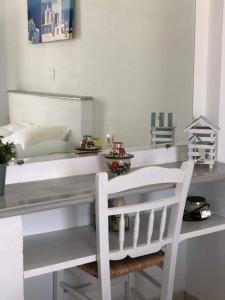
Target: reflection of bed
73,112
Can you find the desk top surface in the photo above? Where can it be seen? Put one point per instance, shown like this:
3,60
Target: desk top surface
31,197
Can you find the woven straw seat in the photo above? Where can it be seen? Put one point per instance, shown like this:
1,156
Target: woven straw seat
126,265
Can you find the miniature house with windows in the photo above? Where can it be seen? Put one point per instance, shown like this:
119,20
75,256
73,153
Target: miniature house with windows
162,129
202,141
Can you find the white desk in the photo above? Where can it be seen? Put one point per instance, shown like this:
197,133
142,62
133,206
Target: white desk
49,252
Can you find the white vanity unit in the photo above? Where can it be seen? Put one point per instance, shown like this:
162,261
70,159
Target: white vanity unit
24,254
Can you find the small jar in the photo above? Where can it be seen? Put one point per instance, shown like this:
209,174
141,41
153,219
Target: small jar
87,142
194,202
118,148
114,221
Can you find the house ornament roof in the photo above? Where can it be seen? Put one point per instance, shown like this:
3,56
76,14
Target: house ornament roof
203,122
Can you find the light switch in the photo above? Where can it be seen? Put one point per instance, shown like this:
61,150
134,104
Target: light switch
52,74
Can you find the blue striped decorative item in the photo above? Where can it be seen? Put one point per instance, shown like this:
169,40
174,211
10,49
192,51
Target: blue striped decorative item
162,129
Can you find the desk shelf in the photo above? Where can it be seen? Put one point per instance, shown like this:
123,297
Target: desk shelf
31,197
54,251
194,229
50,252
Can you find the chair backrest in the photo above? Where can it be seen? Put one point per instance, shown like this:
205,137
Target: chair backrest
168,231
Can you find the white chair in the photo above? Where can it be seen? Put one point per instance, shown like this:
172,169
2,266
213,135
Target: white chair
145,249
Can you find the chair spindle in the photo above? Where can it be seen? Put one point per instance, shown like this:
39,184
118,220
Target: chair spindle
136,229
150,226
122,232
163,223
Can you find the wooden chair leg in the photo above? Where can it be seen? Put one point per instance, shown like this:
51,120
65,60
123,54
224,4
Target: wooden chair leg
169,272
58,292
127,288
132,287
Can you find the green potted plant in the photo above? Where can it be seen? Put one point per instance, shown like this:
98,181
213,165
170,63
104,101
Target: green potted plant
7,153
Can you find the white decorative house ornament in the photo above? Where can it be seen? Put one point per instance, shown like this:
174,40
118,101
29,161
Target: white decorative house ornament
202,141
162,129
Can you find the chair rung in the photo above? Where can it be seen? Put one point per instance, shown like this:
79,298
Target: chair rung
150,278
68,288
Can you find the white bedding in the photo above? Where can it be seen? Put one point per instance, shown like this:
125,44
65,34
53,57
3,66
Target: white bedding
45,148
41,142
11,128
34,135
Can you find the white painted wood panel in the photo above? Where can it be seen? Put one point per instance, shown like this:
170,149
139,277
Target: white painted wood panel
11,259
143,176
202,24
91,164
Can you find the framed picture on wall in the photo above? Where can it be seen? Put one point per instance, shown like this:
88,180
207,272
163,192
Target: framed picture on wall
49,20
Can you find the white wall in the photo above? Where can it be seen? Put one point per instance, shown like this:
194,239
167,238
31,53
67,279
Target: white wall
201,56
209,86
205,261
3,101
214,63
208,58
133,56
221,152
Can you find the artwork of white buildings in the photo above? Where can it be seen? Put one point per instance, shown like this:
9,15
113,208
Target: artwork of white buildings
49,20
202,141
34,33
54,25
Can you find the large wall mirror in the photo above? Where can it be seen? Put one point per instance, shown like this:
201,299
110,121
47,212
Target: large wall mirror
133,57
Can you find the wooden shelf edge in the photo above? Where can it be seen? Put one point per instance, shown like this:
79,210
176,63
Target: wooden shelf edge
58,267
214,224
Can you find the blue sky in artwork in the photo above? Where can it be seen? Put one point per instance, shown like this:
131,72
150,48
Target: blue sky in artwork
66,3
34,11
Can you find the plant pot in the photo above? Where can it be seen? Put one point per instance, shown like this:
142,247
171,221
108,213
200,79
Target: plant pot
118,165
2,179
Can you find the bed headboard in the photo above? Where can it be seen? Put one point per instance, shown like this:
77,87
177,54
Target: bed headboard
73,112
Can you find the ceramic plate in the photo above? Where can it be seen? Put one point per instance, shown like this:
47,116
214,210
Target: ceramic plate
126,156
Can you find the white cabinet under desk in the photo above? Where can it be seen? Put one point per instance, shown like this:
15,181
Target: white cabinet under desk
49,252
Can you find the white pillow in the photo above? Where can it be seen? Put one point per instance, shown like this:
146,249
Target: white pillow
4,132
44,148
8,129
13,127
33,135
